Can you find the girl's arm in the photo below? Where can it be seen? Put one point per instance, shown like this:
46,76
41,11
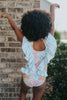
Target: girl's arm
52,12
18,32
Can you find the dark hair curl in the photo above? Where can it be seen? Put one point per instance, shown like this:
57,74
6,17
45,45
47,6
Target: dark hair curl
36,24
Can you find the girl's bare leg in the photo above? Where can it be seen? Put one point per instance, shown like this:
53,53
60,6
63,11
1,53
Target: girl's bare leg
38,92
24,89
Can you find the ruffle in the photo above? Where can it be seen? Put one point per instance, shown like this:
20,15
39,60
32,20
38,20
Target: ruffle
51,46
26,47
49,53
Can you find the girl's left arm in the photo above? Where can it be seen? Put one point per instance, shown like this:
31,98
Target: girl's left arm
52,12
17,31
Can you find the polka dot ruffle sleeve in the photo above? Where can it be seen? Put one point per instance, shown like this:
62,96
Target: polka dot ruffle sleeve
51,46
30,68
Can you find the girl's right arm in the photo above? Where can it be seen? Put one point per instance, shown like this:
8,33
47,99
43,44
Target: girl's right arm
17,31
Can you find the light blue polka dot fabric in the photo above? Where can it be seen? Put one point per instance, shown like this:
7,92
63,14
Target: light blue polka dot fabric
49,54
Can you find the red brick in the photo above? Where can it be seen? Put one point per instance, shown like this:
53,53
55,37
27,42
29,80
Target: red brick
36,5
7,33
14,44
12,38
8,50
23,4
3,55
2,44
11,4
2,4
2,9
6,28
7,60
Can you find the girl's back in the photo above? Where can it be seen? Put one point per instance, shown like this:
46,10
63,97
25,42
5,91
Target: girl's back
38,45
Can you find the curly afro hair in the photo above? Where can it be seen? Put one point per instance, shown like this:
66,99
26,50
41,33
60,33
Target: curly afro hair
36,24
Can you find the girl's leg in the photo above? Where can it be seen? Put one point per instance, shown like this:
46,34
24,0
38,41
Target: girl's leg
38,92
24,89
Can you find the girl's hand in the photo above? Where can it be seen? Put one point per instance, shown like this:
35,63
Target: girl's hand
55,5
4,15
17,31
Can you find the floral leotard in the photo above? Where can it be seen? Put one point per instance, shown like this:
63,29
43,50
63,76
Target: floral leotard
35,71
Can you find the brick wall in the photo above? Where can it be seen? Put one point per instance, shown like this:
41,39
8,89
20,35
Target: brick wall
11,54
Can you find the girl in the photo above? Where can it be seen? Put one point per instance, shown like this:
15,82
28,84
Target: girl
39,46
